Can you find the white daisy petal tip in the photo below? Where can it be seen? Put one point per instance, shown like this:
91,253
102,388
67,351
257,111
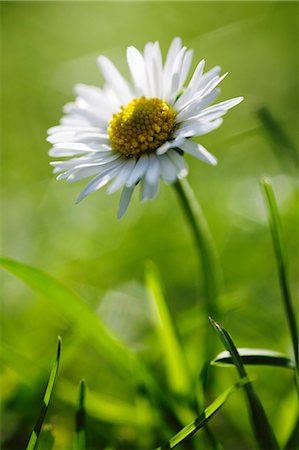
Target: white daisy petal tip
100,137
182,174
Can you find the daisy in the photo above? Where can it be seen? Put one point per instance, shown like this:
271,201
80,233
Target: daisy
138,131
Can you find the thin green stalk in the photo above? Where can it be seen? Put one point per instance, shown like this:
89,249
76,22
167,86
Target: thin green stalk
279,248
80,419
46,400
205,247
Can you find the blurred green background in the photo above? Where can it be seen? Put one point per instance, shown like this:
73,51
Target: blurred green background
47,47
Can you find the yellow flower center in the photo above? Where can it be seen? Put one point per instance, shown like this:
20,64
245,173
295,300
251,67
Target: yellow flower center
141,127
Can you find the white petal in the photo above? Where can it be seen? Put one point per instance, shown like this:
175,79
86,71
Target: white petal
179,162
197,128
167,145
198,151
75,148
125,199
96,98
74,128
176,76
163,148
197,75
75,120
149,190
79,171
137,68
174,49
115,79
208,76
196,105
153,68
81,137
167,169
122,177
84,161
157,70
100,180
76,174
153,170
207,116
227,104
189,93
87,115
138,171
212,84
185,68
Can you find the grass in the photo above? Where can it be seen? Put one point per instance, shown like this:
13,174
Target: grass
138,334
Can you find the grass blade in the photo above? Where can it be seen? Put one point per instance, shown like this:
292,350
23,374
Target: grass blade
279,248
175,362
80,431
107,409
255,357
37,429
263,432
203,419
76,310
89,325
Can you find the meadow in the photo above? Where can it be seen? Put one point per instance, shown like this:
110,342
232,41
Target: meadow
128,297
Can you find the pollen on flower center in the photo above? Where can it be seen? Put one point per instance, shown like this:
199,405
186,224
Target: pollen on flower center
141,126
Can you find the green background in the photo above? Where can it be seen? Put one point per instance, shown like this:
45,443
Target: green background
47,47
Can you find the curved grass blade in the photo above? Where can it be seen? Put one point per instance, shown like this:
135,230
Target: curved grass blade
262,429
203,419
80,431
37,429
255,357
77,311
279,248
175,361
89,325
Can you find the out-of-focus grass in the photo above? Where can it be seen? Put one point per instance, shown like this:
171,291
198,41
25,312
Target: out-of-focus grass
47,48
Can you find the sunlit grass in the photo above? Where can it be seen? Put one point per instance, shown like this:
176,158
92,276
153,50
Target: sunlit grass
139,334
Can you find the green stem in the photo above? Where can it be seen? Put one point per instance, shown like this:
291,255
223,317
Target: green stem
205,247
210,266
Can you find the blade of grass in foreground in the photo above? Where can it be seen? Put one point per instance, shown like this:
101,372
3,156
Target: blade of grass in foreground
279,248
263,432
74,309
77,311
203,419
80,431
105,408
175,361
37,429
255,357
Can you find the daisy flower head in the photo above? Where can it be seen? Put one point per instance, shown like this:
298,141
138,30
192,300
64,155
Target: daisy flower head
130,133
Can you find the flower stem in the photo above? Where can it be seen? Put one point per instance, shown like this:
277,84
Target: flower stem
205,246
